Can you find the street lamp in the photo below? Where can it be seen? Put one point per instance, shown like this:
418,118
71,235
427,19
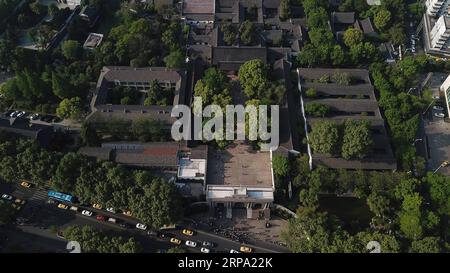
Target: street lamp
443,164
432,101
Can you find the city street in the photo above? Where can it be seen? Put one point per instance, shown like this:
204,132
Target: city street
37,233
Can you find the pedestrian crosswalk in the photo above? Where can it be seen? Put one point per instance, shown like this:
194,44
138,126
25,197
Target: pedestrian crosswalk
36,200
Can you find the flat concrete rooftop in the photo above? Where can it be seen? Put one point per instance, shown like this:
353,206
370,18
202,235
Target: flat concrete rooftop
198,6
239,165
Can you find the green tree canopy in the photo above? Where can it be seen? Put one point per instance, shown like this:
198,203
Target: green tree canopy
353,36
175,59
324,137
70,108
253,77
357,139
315,109
382,19
280,165
71,49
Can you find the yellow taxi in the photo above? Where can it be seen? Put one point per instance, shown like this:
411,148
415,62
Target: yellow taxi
19,201
246,249
25,184
188,232
127,213
175,241
97,206
62,206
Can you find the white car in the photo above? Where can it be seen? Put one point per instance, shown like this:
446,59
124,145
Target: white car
439,115
7,197
86,213
74,208
437,97
191,243
34,116
112,220
141,226
205,250
439,108
234,251
21,114
112,210
14,114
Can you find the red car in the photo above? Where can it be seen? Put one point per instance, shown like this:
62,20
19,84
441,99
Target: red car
101,218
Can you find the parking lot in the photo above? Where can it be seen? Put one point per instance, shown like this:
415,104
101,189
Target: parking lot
33,117
437,127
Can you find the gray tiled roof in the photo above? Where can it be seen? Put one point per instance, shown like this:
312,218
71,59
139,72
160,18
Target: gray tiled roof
344,106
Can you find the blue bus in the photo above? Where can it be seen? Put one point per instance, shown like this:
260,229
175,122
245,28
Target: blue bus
60,196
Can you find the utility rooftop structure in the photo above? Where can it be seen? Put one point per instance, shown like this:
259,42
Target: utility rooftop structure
355,101
139,79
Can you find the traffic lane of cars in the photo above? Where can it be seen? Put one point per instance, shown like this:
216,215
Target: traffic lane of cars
210,242
188,238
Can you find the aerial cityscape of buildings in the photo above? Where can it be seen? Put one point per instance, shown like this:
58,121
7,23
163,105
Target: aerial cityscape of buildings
88,88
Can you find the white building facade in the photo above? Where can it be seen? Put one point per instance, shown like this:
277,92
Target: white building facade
440,34
437,8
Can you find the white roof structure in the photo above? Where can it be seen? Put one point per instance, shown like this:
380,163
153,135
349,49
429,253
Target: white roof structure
192,169
223,193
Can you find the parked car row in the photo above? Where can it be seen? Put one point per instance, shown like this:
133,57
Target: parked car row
16,203
439,110
34,116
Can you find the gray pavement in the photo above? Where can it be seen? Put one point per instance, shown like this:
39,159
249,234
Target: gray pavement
437,130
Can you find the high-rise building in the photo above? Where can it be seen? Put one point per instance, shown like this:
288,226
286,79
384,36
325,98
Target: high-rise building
440,34
436,8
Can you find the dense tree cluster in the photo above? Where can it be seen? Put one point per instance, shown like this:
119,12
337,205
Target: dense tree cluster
70,108
322,49
315,109
142,42
410,214
317,232
153,200
24,159
157,95
248,33
352,139
144,129
256,83
95,241
401,109
230,33
214,88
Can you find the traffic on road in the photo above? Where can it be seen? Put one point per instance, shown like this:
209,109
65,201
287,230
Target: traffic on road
32,203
